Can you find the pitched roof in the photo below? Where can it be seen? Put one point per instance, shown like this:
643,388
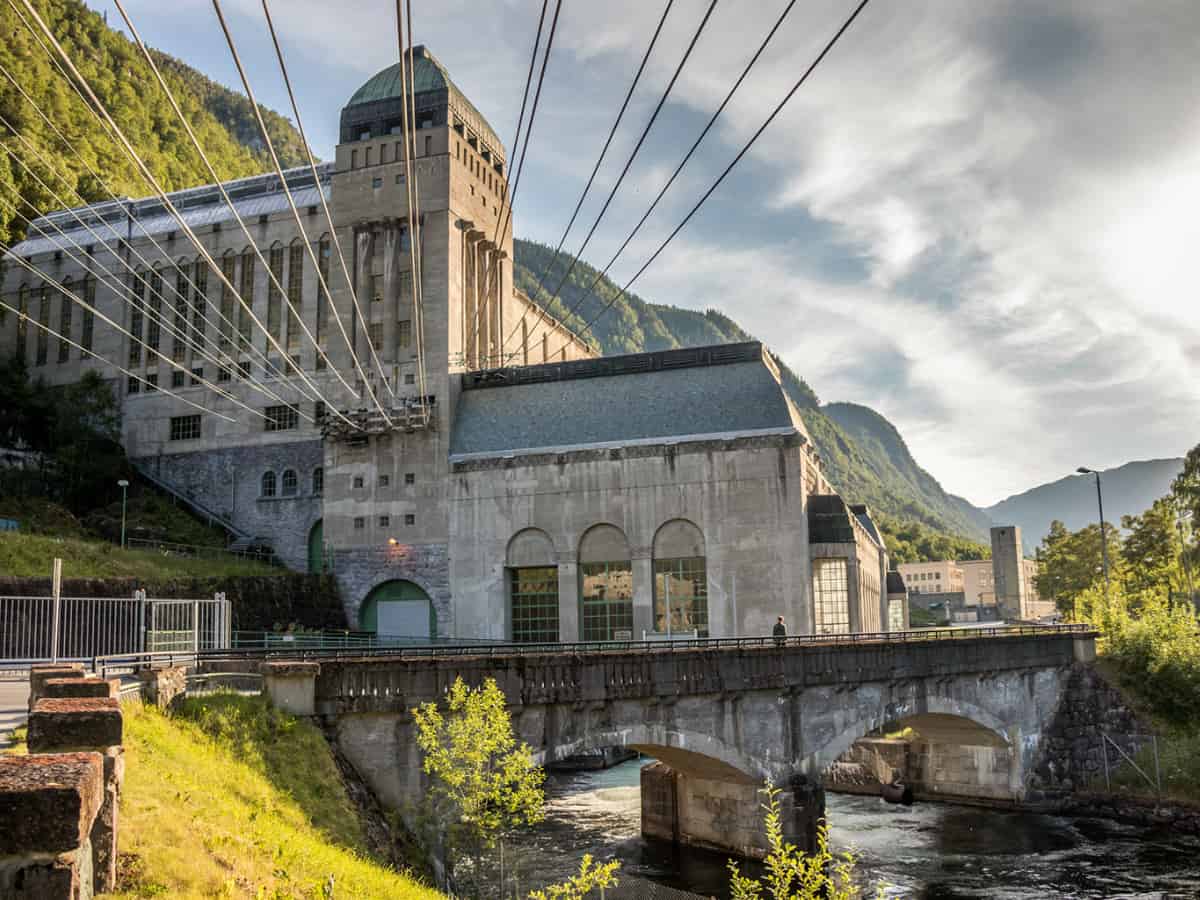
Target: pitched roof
682,395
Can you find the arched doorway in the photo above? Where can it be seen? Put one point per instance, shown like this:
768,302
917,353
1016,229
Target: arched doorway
398,609
316,548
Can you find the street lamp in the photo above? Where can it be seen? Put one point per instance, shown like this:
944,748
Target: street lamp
1083,470
123,485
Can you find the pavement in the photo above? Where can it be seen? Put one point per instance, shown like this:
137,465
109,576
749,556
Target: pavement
14,707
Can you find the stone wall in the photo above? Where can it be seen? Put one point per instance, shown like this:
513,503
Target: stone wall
425,565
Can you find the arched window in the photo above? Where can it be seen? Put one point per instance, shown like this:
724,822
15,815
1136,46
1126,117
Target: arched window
228,271
154,301
533,587
290,483
605,585
137,316
295,294
268,484
274,306
65,309
318,480
246,290
323,252
680,580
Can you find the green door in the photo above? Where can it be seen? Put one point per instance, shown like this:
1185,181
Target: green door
316,549
398,609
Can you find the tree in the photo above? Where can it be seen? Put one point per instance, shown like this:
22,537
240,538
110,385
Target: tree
579,886
1150,551
1070,562
483,784
1185,491
792,875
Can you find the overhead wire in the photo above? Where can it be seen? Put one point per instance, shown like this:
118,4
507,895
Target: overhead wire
46,279
282,293
612,132
516,179
729,168
166,200
247,345
625,170
119,288
687,156
108,362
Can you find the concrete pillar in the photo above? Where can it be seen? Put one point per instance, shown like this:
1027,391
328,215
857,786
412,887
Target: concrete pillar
364,253
292,686
568,600
163,686
391,292
643,592
40,674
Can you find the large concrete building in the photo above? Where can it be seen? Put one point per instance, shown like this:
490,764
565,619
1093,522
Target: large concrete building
509,484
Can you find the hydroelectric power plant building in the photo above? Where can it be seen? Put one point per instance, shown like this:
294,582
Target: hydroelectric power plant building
513,486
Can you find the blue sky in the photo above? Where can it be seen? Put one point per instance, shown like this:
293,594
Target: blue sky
977,218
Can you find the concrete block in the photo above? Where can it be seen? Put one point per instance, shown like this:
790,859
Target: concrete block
40,674
163,686
292,686
67,876
104,828
77,723
57,688
48,802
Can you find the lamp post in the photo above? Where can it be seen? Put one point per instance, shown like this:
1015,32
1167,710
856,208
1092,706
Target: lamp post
123,485
1083,470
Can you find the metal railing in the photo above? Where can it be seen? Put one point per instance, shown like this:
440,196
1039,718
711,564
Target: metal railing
201,552
53,629
453,647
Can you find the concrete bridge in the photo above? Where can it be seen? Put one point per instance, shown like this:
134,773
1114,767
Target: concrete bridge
725,715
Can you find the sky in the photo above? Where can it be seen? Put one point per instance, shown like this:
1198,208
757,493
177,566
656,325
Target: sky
979,219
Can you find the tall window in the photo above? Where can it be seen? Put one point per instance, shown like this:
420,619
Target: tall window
268,484
534,604
375,332
228,268
246,290
295,292
64,321
323,251
318,480
22,322
153,326
89,317
404,333
138,290
607,598
275,260
178,347
831,596
43,337
199,299
289,484
681,596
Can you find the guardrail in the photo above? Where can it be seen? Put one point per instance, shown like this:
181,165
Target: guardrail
430,649
199,551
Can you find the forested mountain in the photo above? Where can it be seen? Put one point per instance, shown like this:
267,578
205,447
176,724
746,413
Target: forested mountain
863,453
1129,490
122,79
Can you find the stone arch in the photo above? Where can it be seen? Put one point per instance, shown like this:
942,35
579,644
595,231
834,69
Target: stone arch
605,585
530,547
398,605
531,587
680,579
289,483
268,484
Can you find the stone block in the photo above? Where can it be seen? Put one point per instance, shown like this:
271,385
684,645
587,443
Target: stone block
40,674
77,723
67,876
104,828
291,685
57,688
163,686
48,802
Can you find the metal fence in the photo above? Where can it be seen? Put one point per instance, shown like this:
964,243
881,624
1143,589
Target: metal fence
49,629
197,551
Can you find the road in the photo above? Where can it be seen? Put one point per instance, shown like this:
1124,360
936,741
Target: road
14,703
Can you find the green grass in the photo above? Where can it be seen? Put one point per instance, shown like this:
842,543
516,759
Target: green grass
33,555
230,798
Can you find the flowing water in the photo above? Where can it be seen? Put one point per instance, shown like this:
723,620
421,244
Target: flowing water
929,850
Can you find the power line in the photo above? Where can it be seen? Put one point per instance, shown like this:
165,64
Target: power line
741,153
687,156
628,163
596,168
166,200
21,316
247,345
516,182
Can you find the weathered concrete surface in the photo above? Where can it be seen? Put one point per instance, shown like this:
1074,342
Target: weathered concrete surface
57,688
291,686
163,686
88,723
728,715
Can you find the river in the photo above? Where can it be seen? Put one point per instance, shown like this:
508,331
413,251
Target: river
929,850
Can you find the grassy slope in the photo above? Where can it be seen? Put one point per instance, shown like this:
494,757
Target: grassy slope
32,555
865,467
230,798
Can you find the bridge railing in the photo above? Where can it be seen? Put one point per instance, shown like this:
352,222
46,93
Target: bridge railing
437,648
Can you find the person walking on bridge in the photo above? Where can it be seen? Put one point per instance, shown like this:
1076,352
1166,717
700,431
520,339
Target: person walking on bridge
779,632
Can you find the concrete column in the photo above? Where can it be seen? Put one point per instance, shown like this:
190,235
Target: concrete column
471,298
292,686
364,253
643,592
391,291
568,599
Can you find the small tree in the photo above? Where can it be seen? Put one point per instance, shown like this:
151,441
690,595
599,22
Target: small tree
791,874
483,784
579,886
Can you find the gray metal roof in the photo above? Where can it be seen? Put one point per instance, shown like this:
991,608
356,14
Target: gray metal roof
690,403
198,206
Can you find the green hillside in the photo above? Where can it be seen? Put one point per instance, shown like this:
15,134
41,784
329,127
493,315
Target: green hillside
124,82
863,453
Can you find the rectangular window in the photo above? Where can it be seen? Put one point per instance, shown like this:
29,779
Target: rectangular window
228,270
606,595
64,326
404,333
199,299
245,323
360,522
358,482
367,156
385,480
410,478
410,378
375,333
281,418
831,596
323,253
376,288
319,412
385,521
43,336
176,378
132,385
681,587
244,368
354,159
274,304
376,182
410,519
534,599
89,317
154,302
151,382
185,428
223,375
197,374
400,178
